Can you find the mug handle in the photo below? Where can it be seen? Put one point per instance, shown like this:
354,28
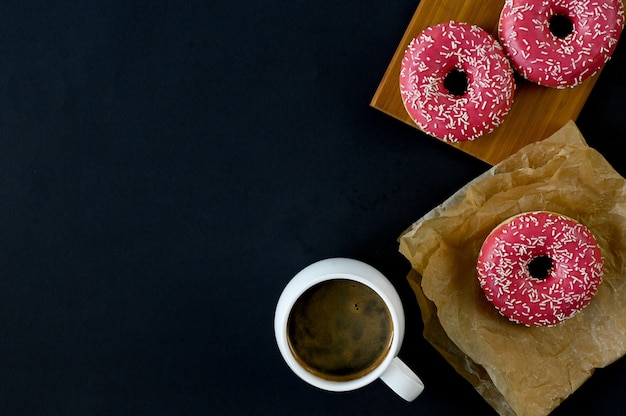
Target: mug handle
402,380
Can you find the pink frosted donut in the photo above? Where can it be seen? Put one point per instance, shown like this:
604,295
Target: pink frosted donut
540,268
456,82
560,43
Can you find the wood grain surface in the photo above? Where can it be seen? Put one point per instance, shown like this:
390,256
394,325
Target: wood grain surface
537,111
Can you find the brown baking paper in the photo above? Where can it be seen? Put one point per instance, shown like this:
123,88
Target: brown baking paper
520,370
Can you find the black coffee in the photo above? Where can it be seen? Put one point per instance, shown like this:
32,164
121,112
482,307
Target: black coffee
340,330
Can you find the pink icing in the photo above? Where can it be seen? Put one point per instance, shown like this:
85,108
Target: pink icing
571,283
437,51
552,61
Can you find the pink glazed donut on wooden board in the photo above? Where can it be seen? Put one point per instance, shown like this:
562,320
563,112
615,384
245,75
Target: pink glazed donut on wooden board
462,54
560,43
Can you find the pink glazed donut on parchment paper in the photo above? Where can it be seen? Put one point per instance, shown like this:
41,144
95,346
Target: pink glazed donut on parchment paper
540,268
560,43
456,82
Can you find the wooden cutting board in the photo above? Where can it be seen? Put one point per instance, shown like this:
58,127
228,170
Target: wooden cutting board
537,112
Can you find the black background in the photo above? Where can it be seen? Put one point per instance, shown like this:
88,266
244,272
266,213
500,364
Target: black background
167,167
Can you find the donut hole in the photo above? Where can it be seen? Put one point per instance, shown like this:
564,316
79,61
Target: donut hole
456,82
540,267
560,25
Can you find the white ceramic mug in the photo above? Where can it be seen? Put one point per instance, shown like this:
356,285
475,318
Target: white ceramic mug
397,375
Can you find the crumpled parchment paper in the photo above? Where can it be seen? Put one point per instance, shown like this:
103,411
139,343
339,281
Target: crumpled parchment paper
519,370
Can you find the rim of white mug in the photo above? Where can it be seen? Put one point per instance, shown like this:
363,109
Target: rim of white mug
307,278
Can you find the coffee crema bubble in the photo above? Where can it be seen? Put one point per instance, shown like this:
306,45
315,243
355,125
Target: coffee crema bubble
340,330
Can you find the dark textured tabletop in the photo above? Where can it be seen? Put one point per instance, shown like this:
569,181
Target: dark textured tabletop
167,167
